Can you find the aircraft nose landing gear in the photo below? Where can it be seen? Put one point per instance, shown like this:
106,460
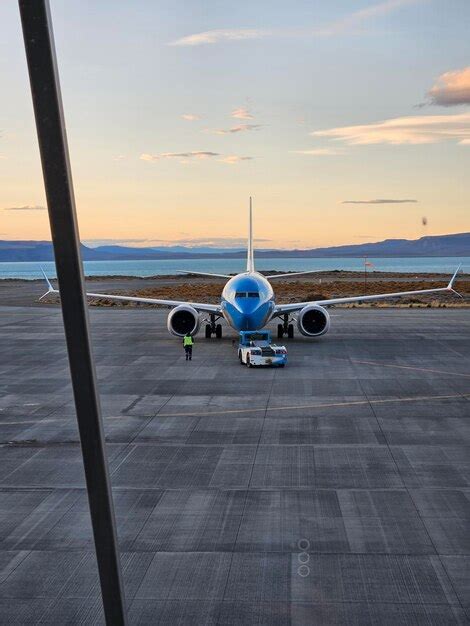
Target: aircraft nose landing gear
285,329
213,329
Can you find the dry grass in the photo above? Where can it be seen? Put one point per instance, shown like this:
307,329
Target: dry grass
301,291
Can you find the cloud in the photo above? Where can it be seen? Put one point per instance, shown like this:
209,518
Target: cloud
351,21
190,157
345,24
451,88
364,236
191,117
115,242
321,152
242,113
227,242
119,157
221,35
26,207
232,159
197,154
235,129
423,129
379,201
213,241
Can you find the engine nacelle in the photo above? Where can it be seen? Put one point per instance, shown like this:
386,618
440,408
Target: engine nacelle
313,321
183,319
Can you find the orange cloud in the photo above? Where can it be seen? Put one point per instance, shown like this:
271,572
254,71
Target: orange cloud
321,152
349,22
186,158
26,207
242,113
235,129
423,129
233,159
195,154
217,36
452,88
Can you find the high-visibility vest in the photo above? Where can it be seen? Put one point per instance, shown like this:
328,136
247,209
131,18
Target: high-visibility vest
188,341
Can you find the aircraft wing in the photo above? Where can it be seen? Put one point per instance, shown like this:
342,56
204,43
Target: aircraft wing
203,308
204,274
297,306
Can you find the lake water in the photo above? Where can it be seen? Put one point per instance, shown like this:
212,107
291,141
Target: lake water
410,265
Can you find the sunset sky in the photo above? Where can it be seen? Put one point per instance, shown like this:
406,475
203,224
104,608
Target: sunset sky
347,121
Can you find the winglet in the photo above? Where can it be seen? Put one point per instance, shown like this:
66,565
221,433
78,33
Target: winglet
50,288
450,286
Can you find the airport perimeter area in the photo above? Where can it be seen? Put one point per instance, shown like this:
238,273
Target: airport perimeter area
334,491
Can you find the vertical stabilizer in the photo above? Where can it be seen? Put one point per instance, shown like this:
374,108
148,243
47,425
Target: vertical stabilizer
250,263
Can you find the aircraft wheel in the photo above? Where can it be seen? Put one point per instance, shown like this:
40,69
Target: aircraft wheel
208,331
218,331
280,331
290,331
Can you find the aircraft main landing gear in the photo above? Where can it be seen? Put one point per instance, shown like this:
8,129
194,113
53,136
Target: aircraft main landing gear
285,329
213,329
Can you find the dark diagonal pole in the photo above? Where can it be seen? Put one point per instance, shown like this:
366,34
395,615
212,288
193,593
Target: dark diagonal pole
47,103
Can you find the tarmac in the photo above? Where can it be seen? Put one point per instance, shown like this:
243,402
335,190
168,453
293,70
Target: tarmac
333,491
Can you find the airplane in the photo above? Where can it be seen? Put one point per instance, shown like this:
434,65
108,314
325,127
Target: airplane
247,303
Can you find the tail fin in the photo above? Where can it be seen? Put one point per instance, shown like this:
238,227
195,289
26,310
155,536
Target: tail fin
250,261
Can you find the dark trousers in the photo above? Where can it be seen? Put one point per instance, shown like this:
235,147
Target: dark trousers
189,352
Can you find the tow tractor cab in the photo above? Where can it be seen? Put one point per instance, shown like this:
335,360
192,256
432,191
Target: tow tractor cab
255,348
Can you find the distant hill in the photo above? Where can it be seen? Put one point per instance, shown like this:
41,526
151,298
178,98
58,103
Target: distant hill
42,251
168,250
439,245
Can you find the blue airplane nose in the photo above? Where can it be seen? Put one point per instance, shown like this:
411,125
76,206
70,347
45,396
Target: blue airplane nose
254,315
249,306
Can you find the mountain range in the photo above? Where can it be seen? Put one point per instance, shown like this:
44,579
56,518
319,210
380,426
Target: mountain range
439,245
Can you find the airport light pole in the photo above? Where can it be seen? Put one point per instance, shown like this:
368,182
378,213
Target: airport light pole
47,103
365,274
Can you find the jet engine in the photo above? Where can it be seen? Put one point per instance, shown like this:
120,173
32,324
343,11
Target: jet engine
183,319
313,321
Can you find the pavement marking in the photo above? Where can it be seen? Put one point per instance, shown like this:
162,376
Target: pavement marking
319,405
406,367
272,408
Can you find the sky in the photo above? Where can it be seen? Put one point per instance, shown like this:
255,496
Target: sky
347,121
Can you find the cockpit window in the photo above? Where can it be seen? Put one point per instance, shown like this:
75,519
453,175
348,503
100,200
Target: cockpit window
246,294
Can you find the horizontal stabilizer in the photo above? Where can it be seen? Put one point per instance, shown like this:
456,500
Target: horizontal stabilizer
289,274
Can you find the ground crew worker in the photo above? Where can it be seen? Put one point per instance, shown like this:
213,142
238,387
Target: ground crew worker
188,343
